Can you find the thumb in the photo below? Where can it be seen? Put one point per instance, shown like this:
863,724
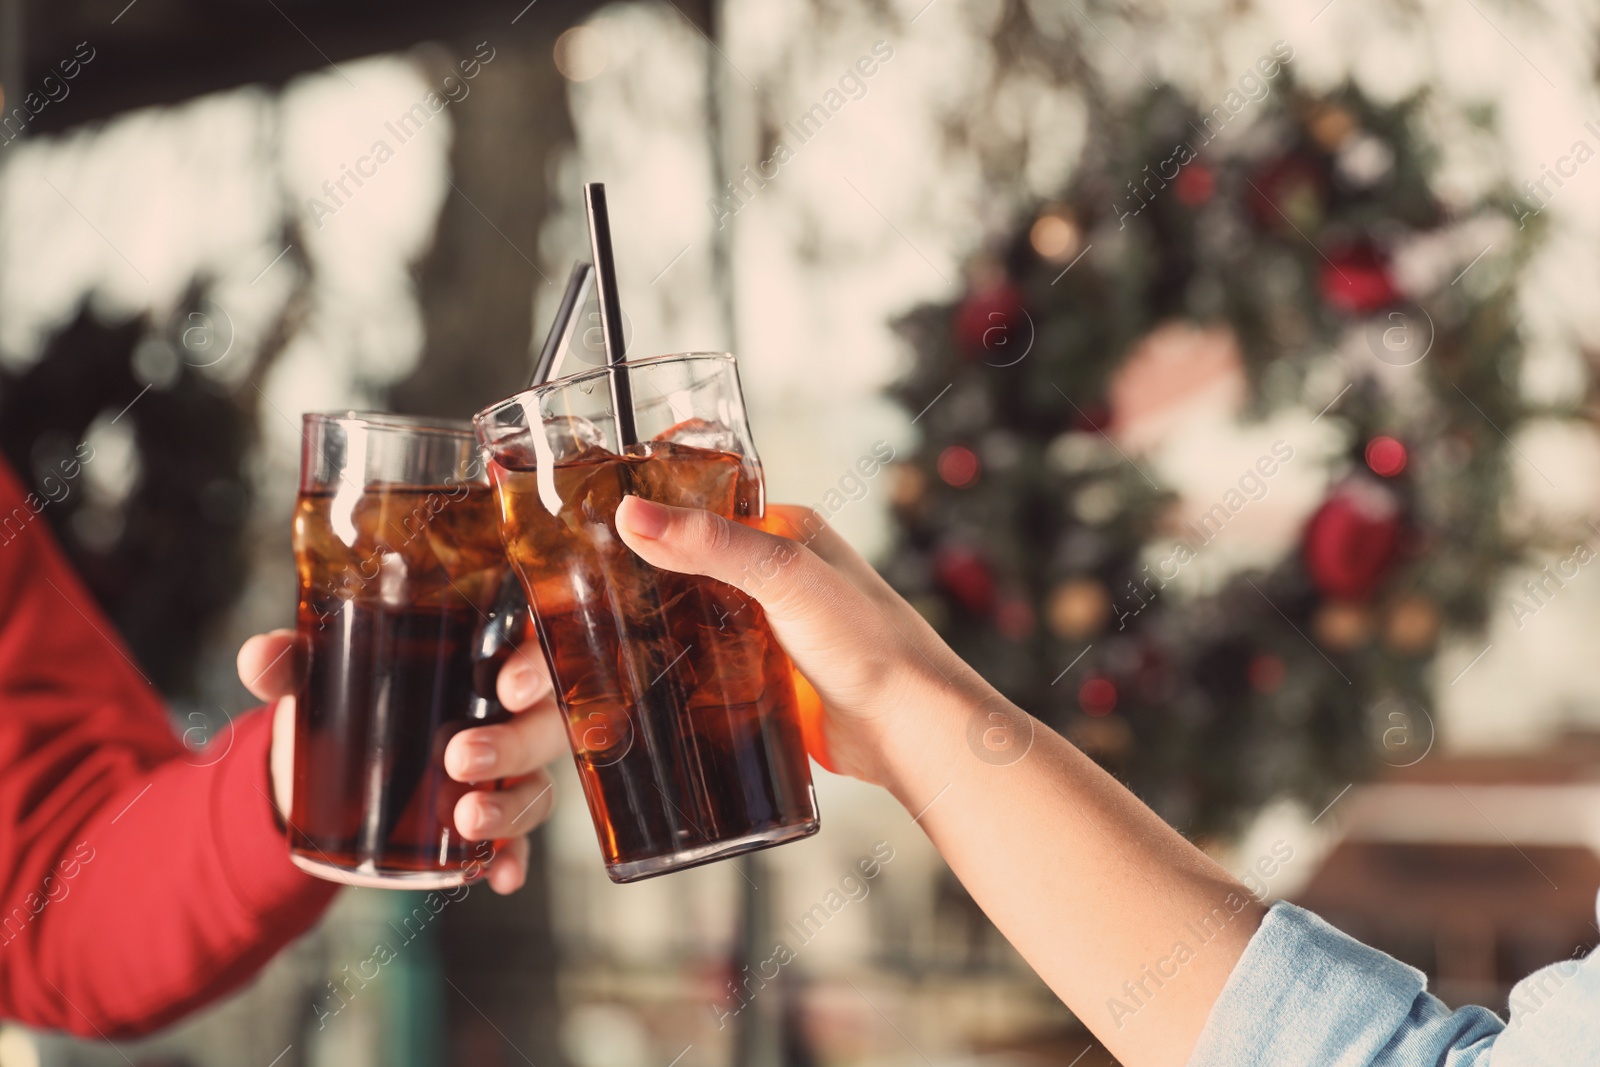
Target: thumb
844,643
783,576
266,664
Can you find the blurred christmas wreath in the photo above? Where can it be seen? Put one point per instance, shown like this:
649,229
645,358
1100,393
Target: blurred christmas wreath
1293,294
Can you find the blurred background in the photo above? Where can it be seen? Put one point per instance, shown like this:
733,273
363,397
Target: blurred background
1239,362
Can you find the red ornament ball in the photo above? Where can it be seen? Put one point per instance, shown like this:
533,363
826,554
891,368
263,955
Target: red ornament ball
1098,697
1356,279
958,466
1194,184
1352,540
989,322
965,575
1386,456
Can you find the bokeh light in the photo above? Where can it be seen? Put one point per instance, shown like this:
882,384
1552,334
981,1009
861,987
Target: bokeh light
1055,237
958,466
581,53
1098,697
1386,456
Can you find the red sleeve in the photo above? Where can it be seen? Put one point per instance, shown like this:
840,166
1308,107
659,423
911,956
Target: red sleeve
138,879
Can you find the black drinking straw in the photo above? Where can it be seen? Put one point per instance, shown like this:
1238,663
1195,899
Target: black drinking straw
560,335
594,198
511,608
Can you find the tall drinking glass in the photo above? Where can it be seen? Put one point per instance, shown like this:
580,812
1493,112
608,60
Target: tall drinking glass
399,557
680,704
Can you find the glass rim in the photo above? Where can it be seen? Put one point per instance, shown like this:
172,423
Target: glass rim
482,418
388,420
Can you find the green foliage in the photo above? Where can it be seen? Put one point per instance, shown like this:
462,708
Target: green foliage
1281,227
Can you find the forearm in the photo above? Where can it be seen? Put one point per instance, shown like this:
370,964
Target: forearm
1089,885
1135,929
137,879
182,890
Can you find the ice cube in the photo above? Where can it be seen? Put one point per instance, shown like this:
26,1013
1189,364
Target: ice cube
687,476
517,455
461,554
571,435
370,514
730,666
589,487
702,433
323,558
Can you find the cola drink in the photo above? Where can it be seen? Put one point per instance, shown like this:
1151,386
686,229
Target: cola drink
680,704
396,652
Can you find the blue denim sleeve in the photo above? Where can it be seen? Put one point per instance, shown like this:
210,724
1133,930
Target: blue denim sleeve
1555,1017
1305,994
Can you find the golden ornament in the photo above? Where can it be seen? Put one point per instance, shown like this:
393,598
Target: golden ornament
1413,625
1078,608
1341,625
1330,125
1107,737
906,485
1055,236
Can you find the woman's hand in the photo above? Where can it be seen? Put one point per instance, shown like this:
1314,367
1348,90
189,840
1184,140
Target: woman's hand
1085,881
512,754
879,668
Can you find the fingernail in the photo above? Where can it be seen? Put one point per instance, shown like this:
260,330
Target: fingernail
524,684
476,758
647,518
489,815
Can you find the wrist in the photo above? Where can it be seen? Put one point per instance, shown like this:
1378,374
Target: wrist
948,726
